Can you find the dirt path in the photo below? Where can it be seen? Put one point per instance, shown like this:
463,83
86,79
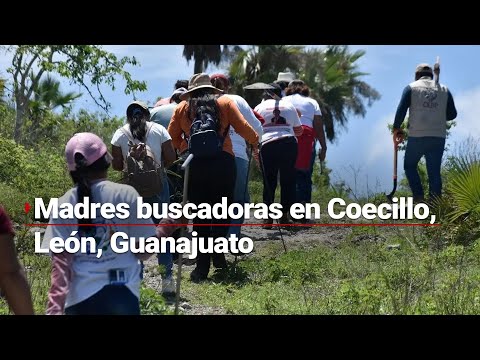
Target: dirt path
294,237
265,241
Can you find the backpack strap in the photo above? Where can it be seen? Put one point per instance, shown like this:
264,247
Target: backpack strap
146,136
128,134
148,131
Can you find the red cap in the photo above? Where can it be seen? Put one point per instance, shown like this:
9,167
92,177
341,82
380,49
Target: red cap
219,76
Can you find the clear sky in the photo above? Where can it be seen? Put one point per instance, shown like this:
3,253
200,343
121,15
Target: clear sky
366,145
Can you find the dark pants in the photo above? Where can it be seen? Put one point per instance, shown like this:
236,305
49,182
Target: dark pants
209,181
432,148
278,157
111,300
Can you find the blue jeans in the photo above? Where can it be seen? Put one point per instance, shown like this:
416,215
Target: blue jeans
110,300
240,196
164,259
304,181
432,148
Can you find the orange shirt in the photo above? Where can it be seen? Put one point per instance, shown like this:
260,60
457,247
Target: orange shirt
229,114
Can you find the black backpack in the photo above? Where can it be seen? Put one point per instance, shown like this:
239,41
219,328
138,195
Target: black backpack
204,140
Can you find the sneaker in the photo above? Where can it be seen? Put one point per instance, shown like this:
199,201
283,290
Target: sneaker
220,274
285,219
196,277
267,224
168,286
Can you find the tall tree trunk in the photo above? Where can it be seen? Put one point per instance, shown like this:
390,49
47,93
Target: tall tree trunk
21,107
198,67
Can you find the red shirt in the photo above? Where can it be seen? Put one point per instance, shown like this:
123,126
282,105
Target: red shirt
5,223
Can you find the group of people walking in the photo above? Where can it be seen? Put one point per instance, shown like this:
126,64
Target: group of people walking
280,132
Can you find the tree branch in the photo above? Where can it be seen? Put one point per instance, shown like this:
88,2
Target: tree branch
29,66
16,63
38,76
82,83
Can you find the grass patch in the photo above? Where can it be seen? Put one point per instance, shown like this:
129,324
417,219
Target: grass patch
351,279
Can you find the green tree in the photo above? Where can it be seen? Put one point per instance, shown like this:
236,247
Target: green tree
261,63
203,55
335,82
47,96
89,66
2,90
331,73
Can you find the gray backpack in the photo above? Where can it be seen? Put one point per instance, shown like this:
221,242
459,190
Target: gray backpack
142,171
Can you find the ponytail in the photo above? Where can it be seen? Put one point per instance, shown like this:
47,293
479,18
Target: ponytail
81,178
203,98
138,123
139,129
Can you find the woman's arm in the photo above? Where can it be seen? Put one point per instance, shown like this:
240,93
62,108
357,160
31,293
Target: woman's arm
318,126
240,125
168,153
60,280
12,278
117,162
175,128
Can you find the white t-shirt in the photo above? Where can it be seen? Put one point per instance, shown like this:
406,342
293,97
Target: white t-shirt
155,138
238,143
280,126
90,274
307,106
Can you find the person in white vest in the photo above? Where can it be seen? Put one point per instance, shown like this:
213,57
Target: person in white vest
430,106
82,283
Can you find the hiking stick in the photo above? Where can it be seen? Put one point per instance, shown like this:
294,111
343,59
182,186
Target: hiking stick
272,196
186,168
248,172
436,70
246,185
395,156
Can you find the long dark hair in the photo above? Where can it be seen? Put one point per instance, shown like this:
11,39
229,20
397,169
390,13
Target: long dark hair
80,178
138,123
203,97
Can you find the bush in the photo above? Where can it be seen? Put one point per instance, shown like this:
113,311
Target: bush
33,173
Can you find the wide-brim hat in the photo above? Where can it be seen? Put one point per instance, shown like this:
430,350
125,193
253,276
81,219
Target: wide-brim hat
285,77
258,86
199,81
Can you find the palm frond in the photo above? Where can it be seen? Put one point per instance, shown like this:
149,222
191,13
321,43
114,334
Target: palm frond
465,189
